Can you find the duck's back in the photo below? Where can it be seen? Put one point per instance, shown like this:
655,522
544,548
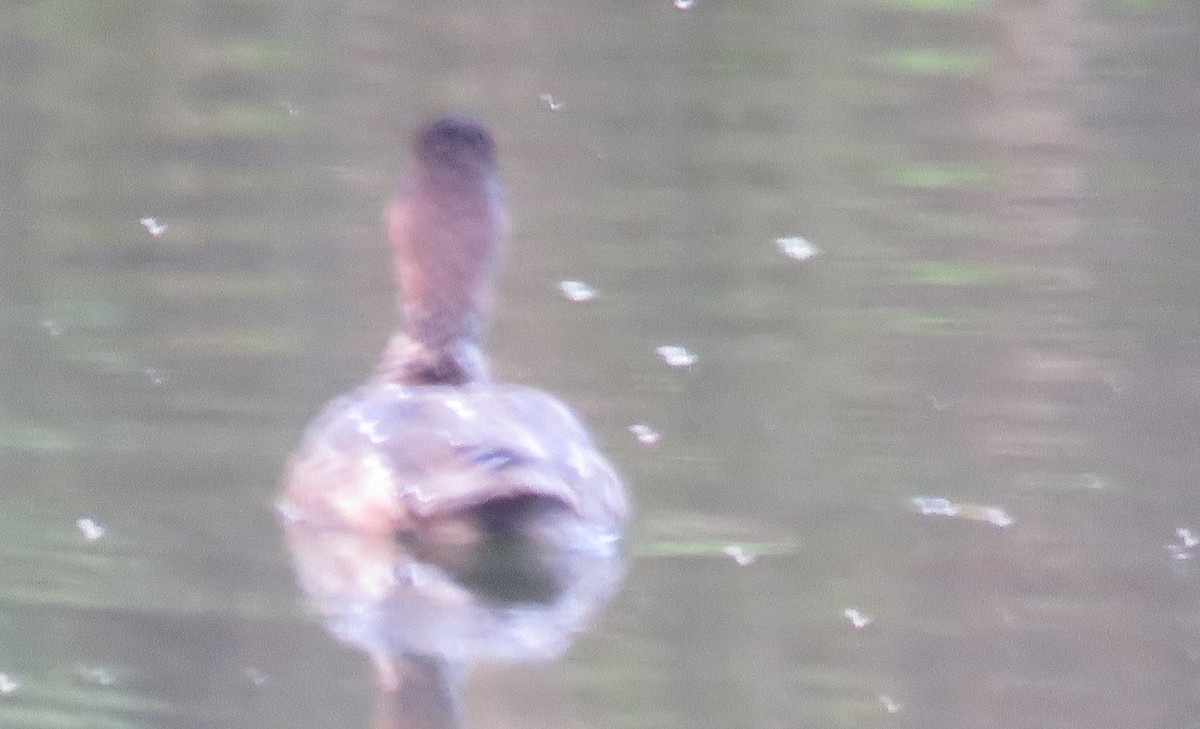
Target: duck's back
391,457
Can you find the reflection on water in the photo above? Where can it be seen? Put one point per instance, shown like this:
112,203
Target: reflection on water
424,614
998,311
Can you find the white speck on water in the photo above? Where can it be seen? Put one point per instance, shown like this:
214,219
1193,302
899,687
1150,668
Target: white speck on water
8,684
677,356
742,556
934,506
645,435
889,704
938,506
52,327
995,516
153,226
684,4
97,675
577,291
90,528
256,676
551,104
155,376
797,248
858,620
1185,547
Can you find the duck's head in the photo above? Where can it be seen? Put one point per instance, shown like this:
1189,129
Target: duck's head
446,225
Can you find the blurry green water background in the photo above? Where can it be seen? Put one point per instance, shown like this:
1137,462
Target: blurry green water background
935,465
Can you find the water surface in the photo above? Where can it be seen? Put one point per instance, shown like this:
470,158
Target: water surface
1001,314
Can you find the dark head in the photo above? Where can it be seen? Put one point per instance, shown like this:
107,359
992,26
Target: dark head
446,225
456,145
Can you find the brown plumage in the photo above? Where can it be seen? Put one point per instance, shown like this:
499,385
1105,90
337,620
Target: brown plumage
432,440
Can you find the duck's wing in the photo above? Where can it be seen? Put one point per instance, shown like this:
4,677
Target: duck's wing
389,457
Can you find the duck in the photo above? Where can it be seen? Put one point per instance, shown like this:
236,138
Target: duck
432,447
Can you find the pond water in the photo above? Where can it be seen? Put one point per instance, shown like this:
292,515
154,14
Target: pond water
928,453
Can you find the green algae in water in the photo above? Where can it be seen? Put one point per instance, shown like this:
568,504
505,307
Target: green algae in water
958,273
937,62
937,175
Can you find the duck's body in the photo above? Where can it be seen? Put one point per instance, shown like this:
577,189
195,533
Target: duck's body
399,458
432,441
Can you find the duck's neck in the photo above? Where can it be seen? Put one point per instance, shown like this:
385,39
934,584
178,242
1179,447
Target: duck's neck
446,231
411,362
